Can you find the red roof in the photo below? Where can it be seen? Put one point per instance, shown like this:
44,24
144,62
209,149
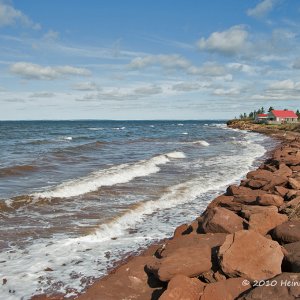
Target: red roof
262,115
284,114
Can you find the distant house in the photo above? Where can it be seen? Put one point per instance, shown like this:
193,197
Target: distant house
261,118
282,116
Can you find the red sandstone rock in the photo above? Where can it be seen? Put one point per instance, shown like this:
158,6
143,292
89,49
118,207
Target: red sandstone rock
292,203
225,201
283,171
276,181
182,287
292,257
220,219
260,174
189,261
128,280
265,221
282,191
287,232
281,290
295,184
269,199
248,210
234,190
228,289
248,254
180,230
191,240
256,184
295,168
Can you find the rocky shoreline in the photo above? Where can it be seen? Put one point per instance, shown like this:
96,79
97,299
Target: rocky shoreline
245,245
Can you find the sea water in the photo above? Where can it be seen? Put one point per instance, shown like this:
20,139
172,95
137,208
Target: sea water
78,196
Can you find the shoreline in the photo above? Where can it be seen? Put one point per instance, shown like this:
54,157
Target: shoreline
138,276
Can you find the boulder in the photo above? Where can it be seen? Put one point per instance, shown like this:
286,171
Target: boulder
292,194
182,287
248,254
220,219
188,261
256,184
292,203
288,232
281,291
292,257
260,174
225,201
248,210
270,199
129,280
295,168
295,184
228,289
291,160
265,221
234,190
180,230
283,171
276,181
191,240
282,191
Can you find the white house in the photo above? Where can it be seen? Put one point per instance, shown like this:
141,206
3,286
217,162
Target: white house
282,116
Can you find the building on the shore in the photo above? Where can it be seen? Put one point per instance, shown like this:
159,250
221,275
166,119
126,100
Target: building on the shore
261,118
282,116
277,117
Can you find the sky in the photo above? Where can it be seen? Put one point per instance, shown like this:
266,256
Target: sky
149,59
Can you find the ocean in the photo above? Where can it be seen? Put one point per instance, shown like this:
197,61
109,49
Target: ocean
78,196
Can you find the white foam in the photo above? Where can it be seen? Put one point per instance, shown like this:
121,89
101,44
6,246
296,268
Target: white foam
180,124
108,177
203,143
185,133
95,128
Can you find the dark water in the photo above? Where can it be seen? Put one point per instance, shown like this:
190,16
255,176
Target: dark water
78,195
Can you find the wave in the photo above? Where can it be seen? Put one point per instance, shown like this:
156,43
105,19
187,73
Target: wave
17,170
203,143
181,193
95,128
108,177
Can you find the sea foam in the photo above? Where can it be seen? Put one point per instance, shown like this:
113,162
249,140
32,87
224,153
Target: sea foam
108,177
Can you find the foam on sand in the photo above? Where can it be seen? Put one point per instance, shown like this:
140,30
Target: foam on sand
108,177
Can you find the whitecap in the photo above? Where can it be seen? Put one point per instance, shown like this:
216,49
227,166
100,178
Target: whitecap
115,175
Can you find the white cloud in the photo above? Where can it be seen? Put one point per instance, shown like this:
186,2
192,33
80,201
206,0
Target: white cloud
227,42
261,9
86,86
287,84
10,16
245,68
42,95
177,62
34,71
148,90
51,35
226,92
123,94
172,61
189,86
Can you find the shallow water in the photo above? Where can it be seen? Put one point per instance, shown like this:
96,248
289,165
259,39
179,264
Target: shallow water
77,196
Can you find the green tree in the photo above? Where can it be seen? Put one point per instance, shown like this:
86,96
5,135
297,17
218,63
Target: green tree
270,108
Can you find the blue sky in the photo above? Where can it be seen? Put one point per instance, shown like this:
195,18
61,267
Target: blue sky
147,59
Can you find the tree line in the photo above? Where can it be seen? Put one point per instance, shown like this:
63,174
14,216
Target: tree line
261,110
